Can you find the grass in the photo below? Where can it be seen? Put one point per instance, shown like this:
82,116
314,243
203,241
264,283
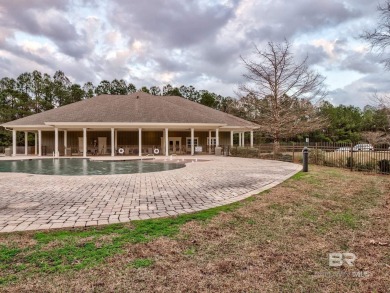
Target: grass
62,250
141,263
275,241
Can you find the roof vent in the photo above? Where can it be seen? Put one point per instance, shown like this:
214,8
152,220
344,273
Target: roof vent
137,97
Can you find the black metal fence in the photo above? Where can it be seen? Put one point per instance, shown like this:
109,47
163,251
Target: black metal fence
356,157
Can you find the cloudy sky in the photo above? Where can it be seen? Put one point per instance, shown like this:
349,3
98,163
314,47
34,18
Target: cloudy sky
190,42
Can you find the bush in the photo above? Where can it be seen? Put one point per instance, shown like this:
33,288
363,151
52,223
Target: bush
316,156
278,157
244,152
350,163
369,166
384,166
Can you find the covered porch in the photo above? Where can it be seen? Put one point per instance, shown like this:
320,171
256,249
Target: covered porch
92,139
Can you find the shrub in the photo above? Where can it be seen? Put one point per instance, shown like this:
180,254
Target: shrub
316,156
384,166
244,152
369,166
350,162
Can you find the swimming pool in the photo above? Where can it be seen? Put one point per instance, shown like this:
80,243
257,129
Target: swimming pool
77,167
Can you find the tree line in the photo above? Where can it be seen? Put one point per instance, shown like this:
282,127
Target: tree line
32,93
35,92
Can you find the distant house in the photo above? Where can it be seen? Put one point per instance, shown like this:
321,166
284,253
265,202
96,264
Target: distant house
134,124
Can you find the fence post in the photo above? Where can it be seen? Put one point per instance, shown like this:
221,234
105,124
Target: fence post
316,154
351,157
293,151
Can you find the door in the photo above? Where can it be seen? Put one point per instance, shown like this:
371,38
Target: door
211,142
188,143
102,145
174,145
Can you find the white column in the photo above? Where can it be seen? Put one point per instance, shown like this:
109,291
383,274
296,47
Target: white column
116,139
36,143
192,141
56,154
243,139
251,138
112,142
231,138
26,143
217,137
39,143
166,142
84,142
13,142
140,141
65,141
239,139
210,142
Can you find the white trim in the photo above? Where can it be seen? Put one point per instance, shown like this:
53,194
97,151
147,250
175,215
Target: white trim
166,142
140,142
56,153
27,127
35,143
209,142
116,139
65,141
134,124
192,141
112,142
128,126
26,143
13,142
40,143
84,142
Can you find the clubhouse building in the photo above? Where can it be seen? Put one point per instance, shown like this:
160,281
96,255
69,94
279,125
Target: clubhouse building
137,124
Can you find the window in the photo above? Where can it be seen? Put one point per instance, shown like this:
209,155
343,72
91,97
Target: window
188,142
212,141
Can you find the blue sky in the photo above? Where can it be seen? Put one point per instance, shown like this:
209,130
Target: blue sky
197,43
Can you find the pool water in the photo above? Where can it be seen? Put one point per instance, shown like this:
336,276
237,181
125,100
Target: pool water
77,167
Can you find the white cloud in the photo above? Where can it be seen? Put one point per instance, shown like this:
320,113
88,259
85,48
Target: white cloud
188,42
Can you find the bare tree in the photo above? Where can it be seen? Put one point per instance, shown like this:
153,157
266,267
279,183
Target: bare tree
375,137
281,95
379,38
382,101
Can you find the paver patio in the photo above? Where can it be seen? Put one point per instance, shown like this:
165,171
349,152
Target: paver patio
32,202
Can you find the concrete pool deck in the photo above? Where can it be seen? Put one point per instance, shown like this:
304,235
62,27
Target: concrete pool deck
34,202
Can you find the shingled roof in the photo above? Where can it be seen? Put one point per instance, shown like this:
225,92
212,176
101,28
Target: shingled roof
135,108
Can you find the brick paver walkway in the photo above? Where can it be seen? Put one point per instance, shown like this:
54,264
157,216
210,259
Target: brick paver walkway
31,202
